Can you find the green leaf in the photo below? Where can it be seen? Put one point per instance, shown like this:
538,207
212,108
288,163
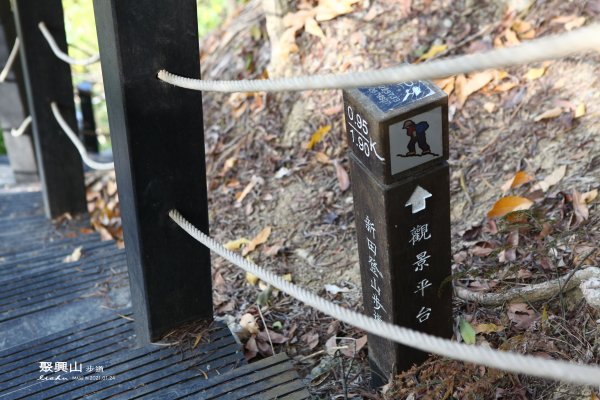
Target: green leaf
263,297
277,325
467,332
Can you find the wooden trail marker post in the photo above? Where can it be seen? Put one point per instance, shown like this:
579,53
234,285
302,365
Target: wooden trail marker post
398,135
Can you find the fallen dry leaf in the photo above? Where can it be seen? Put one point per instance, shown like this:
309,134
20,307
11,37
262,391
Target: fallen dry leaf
342,176
353,348
259,239
329,9
509,204
311,339
580,208
74,256
552,113
311,26
551,179
322,158
317,136
535,73
233,245
519,179
276,338
507,38
248,323
251,278
464,87
523,29
505,86
576,23
489,107
251,348
521,315
579,110
432,52
481,251
447,84
488,328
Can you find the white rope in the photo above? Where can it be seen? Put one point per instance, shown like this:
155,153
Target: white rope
10,61
507,361
546,48
61,54
21,129
75,140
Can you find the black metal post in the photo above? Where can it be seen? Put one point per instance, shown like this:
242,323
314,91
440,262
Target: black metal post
398,135
48,79
158,147
87,129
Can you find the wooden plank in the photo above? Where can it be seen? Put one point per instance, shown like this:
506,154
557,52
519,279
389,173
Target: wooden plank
169,375
158,146
48,79
221,384
295,389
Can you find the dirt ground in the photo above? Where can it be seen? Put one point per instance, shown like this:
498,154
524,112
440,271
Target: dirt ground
262,174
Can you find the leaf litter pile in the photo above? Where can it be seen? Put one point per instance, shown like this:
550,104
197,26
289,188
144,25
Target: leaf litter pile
524,159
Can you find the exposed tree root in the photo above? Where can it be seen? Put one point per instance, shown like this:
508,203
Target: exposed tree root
530,293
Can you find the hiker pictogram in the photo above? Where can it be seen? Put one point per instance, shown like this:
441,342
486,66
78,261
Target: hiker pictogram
417,132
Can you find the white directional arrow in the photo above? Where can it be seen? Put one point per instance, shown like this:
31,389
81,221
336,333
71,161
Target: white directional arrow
417,199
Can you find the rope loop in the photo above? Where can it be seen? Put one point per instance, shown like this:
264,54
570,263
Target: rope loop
10,61
77,143
61,54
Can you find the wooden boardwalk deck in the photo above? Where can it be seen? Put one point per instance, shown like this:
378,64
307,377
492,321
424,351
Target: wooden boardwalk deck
60,313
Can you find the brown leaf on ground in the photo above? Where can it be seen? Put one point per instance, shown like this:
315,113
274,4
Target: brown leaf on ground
248,322
509,204
523,29
259,239
488,328
342,176
519,179
521,315
322,158
330,9
276,338
466,86
251,348
351,351
551,179
549,114
479,251
580,208
311,26
311,339
447,84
